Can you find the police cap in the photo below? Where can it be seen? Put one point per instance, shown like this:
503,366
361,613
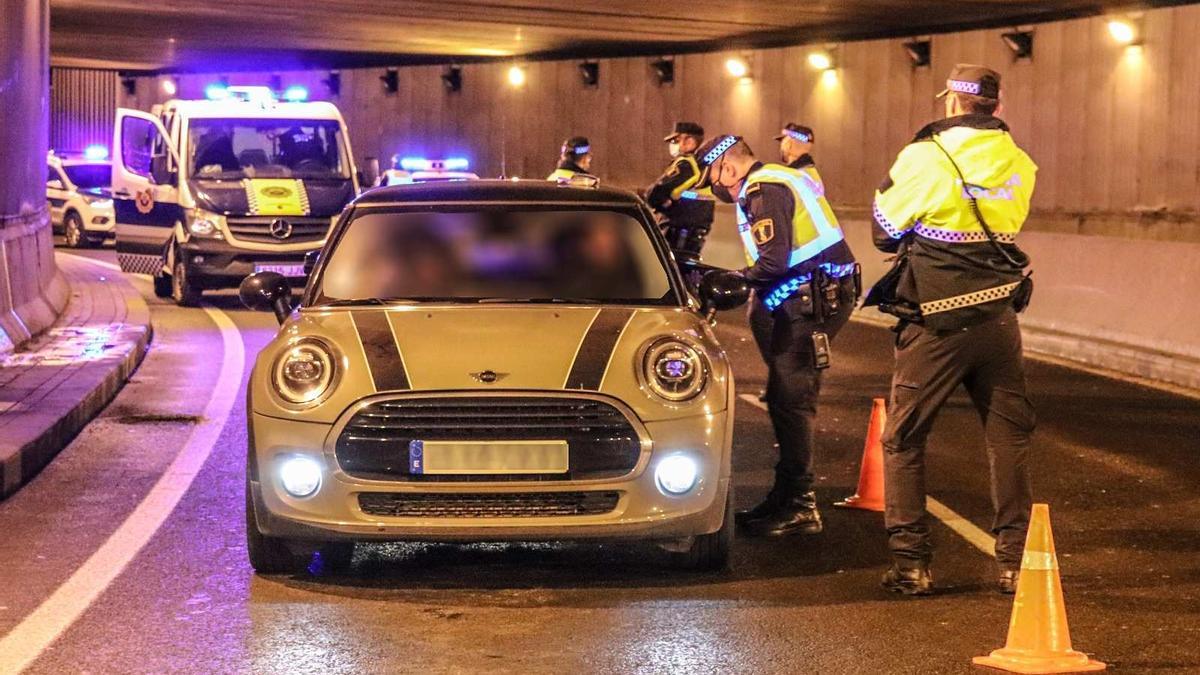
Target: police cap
576,145
797,131
975,80
685,129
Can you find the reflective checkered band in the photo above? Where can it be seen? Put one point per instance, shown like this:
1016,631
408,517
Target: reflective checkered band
725,144
959,237
964,87
969,299
798,135
577,150
788,288
893,231
140,264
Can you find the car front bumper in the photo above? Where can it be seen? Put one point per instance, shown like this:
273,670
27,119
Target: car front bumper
215,263
642,511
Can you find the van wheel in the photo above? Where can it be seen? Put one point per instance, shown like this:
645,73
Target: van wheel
162,286
183,291
268,555
74,233
710,552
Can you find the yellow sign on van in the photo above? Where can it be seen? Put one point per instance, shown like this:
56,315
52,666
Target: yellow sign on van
276,197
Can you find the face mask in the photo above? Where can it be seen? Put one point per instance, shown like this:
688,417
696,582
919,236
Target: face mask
720,190
673,148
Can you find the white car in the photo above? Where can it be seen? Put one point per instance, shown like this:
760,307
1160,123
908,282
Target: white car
78,190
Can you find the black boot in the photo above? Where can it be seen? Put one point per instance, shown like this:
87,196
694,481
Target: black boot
766,507
909,580
1007,583
795,515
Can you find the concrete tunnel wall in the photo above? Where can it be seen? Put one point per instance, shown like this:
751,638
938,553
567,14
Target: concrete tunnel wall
1115,231
32,293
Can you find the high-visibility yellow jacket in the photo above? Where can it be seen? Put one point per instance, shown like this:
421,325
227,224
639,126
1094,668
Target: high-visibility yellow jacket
955,275
676,199
786,224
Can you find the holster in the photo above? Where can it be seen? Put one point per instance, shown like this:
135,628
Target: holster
802,305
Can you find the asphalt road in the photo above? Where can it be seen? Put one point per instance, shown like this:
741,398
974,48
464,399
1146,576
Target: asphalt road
1117,462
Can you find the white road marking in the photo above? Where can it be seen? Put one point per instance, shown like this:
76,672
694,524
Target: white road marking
26,642
974,535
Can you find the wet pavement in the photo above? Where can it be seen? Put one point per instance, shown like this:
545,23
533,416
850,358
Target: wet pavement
1117,463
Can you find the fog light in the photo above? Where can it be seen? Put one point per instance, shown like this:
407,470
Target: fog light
676,474
300,476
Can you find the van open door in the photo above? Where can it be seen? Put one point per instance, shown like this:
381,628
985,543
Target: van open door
145,176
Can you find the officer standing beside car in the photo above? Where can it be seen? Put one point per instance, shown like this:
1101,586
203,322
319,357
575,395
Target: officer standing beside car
574,163
951,207
806,283
795,146
685,212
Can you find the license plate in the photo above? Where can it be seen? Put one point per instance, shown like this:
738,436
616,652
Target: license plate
490,457
281,268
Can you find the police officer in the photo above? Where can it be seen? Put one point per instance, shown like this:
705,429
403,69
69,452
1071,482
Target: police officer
952,206
795,146
804,277
685,211
574,162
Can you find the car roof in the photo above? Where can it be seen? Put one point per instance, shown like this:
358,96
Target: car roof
496,190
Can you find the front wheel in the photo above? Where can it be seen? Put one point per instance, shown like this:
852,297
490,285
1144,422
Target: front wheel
184,292
73,232
710,552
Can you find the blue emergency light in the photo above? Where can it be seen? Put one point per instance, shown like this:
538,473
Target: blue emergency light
423,164
295,93
216,92
96,152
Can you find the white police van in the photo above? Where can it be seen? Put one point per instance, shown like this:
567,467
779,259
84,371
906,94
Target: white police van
207,192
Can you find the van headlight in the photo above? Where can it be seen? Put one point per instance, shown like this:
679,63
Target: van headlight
205,224
675,370
305,372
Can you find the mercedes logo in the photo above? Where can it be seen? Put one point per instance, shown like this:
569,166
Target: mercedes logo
280,228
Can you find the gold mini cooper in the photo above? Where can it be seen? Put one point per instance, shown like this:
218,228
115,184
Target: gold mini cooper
491,361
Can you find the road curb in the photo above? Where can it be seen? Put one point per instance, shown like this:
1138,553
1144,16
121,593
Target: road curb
30,442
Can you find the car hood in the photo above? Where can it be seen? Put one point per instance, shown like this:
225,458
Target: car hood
319,198
497,348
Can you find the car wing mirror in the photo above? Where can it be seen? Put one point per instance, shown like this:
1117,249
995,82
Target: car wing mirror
721,291
264,291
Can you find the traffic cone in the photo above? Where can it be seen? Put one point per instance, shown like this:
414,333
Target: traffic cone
869,496
1039,640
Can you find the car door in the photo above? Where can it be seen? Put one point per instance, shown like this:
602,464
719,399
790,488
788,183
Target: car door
145,194
56,194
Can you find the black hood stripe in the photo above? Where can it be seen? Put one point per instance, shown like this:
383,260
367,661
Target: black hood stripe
596,349
382,352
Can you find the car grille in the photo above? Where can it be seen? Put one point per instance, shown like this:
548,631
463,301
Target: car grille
600,439
304,229
497,505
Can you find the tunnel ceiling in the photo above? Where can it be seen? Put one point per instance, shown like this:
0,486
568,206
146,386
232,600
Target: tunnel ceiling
208,35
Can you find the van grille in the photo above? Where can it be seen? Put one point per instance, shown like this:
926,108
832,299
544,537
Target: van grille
258,229
601,441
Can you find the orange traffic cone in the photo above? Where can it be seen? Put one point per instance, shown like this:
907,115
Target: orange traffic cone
1039,640
869,496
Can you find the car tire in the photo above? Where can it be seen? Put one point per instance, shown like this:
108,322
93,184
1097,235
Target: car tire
268,555
74,233
183,290
710,552
162,285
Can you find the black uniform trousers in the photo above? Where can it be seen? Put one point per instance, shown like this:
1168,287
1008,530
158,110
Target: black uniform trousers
986,358
793,384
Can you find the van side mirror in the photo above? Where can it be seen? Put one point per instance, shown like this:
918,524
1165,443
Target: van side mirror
722,290
264,291
159,172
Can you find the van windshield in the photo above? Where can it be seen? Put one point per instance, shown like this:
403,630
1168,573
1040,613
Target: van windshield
232,149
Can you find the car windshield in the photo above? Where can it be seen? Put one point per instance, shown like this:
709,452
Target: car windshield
232,149
87,176
499,254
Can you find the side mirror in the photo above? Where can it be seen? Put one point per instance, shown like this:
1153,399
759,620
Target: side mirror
722,290
310,261
263,291
55,184
159,172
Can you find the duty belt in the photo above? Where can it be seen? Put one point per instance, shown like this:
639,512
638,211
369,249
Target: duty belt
969,299
788,288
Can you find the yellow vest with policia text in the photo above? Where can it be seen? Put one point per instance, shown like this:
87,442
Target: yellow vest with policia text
814,226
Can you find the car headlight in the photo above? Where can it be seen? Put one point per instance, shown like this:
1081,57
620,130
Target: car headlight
99,202
205,224
675,370
304,372
300,476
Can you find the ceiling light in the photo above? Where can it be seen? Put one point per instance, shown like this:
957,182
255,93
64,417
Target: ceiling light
664,71
169,87
391,80
821,60
452,79
737,67
589,72
1020,42
1124,31
516,76
920,52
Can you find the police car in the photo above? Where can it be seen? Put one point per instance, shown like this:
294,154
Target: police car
79,196
421,170
209,191
491,360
